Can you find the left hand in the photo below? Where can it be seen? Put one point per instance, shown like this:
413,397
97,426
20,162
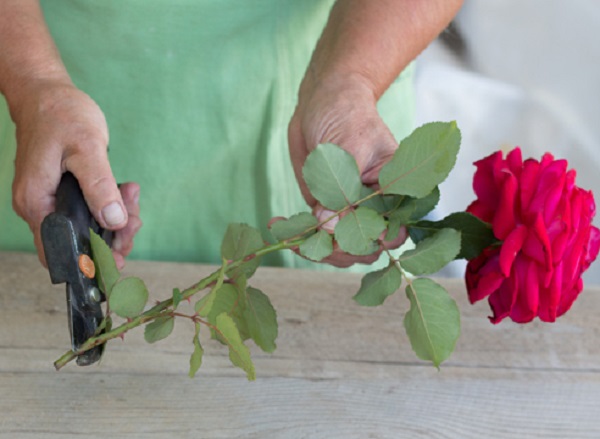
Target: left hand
342,111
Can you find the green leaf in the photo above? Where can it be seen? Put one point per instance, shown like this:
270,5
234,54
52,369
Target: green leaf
293,226
356,232
204,305
240,241
376,286
422,161
476,235
237,312
159,329
409,210
377,202
261,319
393,229
107,273
177,297
238,351
229,299
196,358
318,246
218,301
433,321
412,209
332,176
128,297
433,253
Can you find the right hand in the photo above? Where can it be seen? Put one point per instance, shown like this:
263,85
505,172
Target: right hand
59,129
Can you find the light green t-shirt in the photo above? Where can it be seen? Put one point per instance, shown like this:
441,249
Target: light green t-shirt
197,95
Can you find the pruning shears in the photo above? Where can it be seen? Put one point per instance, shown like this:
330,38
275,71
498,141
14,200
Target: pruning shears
66,241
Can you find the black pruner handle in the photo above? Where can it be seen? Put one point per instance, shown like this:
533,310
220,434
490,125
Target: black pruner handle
65,237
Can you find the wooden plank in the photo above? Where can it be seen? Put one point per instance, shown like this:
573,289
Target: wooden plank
318,321
145,405
340,370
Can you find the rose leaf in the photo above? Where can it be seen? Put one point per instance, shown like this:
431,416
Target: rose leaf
376,286
433,321
332,176
422,161
357,232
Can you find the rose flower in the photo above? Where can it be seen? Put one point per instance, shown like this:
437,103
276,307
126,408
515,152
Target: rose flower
544,221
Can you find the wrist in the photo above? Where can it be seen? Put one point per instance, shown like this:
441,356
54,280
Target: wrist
344,83
40,91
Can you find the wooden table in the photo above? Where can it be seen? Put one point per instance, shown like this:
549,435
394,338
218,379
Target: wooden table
340,370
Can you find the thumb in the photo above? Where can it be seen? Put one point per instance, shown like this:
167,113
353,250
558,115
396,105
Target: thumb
99,188
384,146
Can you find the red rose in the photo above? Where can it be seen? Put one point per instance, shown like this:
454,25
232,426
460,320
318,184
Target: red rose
544,221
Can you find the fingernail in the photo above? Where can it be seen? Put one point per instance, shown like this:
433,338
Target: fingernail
113,214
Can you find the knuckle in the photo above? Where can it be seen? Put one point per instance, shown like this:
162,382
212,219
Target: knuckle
88,142
135,223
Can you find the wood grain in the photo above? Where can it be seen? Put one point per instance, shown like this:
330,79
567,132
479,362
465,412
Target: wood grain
340,370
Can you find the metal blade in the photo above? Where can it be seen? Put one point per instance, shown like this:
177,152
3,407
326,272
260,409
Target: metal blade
85,317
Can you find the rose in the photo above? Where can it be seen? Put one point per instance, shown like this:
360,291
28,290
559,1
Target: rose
544,221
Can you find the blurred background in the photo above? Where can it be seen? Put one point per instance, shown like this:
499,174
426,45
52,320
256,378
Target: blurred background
514,72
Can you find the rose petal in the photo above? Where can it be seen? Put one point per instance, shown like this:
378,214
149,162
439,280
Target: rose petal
511,246
483,276
550,296
503,299
593,246
528,183
481,211
514,162
568,297
526,305
504,219
484,183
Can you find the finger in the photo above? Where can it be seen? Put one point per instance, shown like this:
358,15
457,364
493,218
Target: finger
123,241
130,192
33,200
298,153
119,260
91,168
322,214
37,240
396,242
384,147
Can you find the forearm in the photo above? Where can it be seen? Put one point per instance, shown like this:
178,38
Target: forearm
373,41
27,52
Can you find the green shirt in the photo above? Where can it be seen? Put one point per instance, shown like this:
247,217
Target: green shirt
197,95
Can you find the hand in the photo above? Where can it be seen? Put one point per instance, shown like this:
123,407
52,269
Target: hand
59,129
343,112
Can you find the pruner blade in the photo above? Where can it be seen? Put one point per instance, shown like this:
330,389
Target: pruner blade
66,239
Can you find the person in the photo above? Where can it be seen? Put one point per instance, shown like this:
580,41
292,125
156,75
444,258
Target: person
200,97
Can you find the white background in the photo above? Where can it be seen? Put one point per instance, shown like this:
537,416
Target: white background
530,76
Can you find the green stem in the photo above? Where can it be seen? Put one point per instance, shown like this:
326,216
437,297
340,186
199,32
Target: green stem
335,214
156,311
